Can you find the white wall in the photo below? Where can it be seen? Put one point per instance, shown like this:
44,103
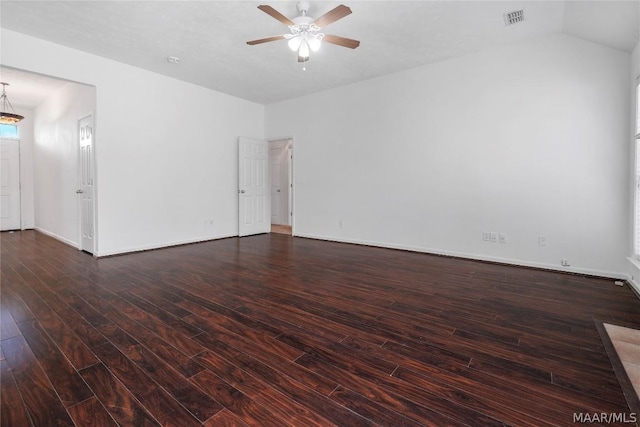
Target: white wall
528,139
55,161
166,150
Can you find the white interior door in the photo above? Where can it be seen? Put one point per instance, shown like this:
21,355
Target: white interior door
254,213
10,184
85,132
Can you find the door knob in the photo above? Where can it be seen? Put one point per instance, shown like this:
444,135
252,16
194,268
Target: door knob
79,191
242,191
278,190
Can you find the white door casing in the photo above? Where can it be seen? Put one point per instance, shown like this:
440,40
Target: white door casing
254,212
86,190
10,212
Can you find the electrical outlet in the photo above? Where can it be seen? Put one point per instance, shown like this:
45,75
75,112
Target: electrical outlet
502,237
542,241
494,237
565,263
486,236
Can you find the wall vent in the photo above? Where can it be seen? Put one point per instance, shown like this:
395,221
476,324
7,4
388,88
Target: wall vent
514,17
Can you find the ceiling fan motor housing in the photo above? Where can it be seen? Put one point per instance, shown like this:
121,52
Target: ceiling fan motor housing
303,7
303,21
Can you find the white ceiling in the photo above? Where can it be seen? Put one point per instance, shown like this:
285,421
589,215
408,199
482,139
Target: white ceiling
210,36
28,89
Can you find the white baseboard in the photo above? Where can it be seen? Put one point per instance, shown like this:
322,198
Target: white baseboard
163,245
518,262
592,272
57,237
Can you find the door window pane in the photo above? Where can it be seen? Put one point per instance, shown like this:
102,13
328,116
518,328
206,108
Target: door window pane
8,131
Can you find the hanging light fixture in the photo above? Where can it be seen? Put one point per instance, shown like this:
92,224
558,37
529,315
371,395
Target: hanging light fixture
305,34
305,41
8,115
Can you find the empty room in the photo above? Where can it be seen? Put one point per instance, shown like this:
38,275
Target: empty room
319,213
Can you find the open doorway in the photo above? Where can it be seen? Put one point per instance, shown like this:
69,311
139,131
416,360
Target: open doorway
281,170
54,157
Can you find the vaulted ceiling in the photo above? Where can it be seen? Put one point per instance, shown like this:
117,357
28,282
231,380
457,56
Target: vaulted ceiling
209,36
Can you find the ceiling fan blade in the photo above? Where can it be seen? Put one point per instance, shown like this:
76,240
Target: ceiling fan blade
333,15
275,14
341,41
265,40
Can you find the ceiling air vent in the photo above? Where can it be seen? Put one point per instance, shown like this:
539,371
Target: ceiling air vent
513,17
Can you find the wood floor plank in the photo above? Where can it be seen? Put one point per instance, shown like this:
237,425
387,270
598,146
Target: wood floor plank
42,403
73,320
8,327
115,397
237,402
501,389
370,409
91,413
292,412
155,399
69,386
12,410
294,390
198,403
221,327
275,330
167,350
71,345
423,414
13,302
285,366
225,418
182,339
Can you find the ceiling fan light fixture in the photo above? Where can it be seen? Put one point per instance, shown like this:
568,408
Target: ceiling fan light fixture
294,43
8,115
303,52
314,43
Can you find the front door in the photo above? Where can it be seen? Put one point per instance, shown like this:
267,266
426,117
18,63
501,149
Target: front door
10,184
85,131
253,192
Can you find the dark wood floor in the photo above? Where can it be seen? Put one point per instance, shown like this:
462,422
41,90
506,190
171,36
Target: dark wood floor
278,331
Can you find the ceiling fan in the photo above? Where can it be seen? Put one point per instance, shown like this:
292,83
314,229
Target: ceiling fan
306,32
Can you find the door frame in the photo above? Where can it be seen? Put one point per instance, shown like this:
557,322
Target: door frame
292,188
95,182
